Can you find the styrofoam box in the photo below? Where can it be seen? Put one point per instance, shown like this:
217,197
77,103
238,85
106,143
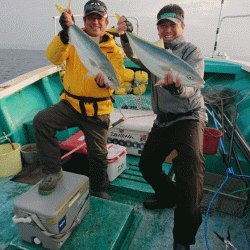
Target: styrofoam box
116,160
131,133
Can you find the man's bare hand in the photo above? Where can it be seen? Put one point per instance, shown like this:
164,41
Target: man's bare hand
122,26
168,80
99,78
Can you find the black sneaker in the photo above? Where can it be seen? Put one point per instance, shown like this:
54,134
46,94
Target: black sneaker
49,183
154,202
102,195
178,246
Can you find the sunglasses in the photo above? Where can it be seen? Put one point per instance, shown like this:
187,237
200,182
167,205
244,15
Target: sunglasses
95,7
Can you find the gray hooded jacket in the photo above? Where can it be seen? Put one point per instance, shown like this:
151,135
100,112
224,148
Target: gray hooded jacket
189,104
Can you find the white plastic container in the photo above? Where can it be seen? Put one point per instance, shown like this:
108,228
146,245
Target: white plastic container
131,133
116,160
10,160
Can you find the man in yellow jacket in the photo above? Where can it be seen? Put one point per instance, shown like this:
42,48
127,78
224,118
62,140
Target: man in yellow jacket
85,102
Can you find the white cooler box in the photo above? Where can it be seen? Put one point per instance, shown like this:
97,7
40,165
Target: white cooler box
116,160
50,220
131,133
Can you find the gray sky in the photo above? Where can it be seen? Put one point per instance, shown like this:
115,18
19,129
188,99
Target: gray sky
29,23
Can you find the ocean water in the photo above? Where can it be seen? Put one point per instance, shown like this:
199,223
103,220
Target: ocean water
16,62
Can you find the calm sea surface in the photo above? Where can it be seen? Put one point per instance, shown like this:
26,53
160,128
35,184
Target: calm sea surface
16,62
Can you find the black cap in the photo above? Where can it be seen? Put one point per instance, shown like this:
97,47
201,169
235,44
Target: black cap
171,12
95,7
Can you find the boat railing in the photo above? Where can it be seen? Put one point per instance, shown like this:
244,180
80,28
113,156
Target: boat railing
217,34
112,17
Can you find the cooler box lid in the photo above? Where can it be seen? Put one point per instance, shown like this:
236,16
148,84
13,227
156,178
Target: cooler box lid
137,124
74,141
115,152
52,205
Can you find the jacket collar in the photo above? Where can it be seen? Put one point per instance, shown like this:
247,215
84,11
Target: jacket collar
174,44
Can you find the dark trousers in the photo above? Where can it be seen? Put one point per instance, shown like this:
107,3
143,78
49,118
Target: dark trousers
187,138
63,116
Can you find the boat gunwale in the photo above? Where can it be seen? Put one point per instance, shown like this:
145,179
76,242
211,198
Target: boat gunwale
245,65
20,82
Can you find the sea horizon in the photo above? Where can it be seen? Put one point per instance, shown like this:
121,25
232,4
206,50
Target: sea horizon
25,60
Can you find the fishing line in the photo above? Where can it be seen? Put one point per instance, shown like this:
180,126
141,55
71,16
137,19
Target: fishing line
134,108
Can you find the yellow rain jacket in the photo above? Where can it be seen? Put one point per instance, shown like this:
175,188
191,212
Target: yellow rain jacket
74,81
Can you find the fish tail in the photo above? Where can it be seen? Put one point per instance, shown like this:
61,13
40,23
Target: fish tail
117,17
68,5
113,30
60,9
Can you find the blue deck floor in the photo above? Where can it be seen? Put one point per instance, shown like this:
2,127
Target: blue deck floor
122,223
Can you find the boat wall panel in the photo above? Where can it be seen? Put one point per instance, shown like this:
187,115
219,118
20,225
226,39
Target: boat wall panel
221,67
21,107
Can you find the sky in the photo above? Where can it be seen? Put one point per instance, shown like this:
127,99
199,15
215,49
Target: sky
28,24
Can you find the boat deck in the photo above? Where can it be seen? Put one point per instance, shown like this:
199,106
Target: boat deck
122,223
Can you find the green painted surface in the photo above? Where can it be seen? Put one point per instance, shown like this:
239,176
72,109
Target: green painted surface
105,226
155,229
130,64
131,182
10,191
221,67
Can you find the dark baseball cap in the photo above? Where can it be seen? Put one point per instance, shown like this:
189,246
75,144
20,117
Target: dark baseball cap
95,7
171,12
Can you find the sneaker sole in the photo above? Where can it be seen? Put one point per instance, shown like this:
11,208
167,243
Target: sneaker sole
42,192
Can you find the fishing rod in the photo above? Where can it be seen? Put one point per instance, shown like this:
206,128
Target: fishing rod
244,151
219,25
218,30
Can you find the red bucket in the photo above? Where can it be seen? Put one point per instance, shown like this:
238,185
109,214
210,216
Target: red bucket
211,140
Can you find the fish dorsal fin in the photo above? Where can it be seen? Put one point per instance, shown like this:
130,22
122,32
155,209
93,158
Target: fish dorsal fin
95,39
159,43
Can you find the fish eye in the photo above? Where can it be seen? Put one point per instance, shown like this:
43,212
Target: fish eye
190,77
110,78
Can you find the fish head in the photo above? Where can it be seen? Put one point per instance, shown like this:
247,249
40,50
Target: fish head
111,78
192,80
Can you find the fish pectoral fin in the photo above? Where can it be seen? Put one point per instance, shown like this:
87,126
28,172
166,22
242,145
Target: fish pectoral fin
158,83
93,63
88,75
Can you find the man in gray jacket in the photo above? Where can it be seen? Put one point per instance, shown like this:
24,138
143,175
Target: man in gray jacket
180,122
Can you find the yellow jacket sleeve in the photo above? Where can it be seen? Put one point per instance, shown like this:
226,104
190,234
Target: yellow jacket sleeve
57,52
75,81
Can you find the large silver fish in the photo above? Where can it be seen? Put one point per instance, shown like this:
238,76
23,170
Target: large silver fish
159,61
92,56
